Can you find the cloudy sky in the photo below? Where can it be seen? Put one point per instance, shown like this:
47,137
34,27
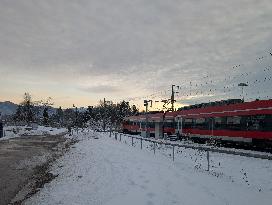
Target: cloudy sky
79,51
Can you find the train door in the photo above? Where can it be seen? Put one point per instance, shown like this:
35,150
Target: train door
179,126
211,125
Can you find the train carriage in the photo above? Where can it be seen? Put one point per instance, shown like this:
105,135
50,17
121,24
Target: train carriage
232,120
131,125
242,121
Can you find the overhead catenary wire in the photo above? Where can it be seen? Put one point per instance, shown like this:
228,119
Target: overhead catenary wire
207,86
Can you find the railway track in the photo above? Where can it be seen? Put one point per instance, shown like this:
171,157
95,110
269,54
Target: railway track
245,147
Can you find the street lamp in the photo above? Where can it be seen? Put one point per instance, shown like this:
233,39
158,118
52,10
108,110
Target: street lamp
243,85
173,96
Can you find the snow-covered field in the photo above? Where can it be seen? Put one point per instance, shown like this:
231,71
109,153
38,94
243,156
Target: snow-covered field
17,131
106,171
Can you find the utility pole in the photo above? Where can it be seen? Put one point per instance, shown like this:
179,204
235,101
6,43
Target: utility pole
77,119
173,97
104,123
1,127
146,115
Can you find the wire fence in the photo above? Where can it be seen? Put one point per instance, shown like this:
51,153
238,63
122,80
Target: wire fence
156,144
248,170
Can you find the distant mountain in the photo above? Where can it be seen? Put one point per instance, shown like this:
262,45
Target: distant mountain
7,108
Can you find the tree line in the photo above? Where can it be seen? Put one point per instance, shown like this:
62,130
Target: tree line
105,114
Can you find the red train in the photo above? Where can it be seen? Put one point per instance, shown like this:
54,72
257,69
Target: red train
232,120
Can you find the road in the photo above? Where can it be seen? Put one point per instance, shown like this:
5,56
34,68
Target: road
22,161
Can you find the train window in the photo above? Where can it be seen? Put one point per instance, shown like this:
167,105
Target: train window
218,123
234,120
267,124
218,120
188,120
169,124
143,124
188,123
256,122
259,122
201,123
253,122
151,124
234,123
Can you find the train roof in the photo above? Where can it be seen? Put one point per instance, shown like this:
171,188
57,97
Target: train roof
232,108
243,108
212,104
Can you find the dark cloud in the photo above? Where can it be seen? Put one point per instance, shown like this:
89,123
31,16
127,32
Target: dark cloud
140,46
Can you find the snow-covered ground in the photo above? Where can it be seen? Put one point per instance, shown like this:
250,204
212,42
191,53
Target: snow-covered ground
110,172
17,131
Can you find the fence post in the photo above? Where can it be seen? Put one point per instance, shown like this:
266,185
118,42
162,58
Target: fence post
141,143
173,152
154,147
208,159
120,137
115,136
132,141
